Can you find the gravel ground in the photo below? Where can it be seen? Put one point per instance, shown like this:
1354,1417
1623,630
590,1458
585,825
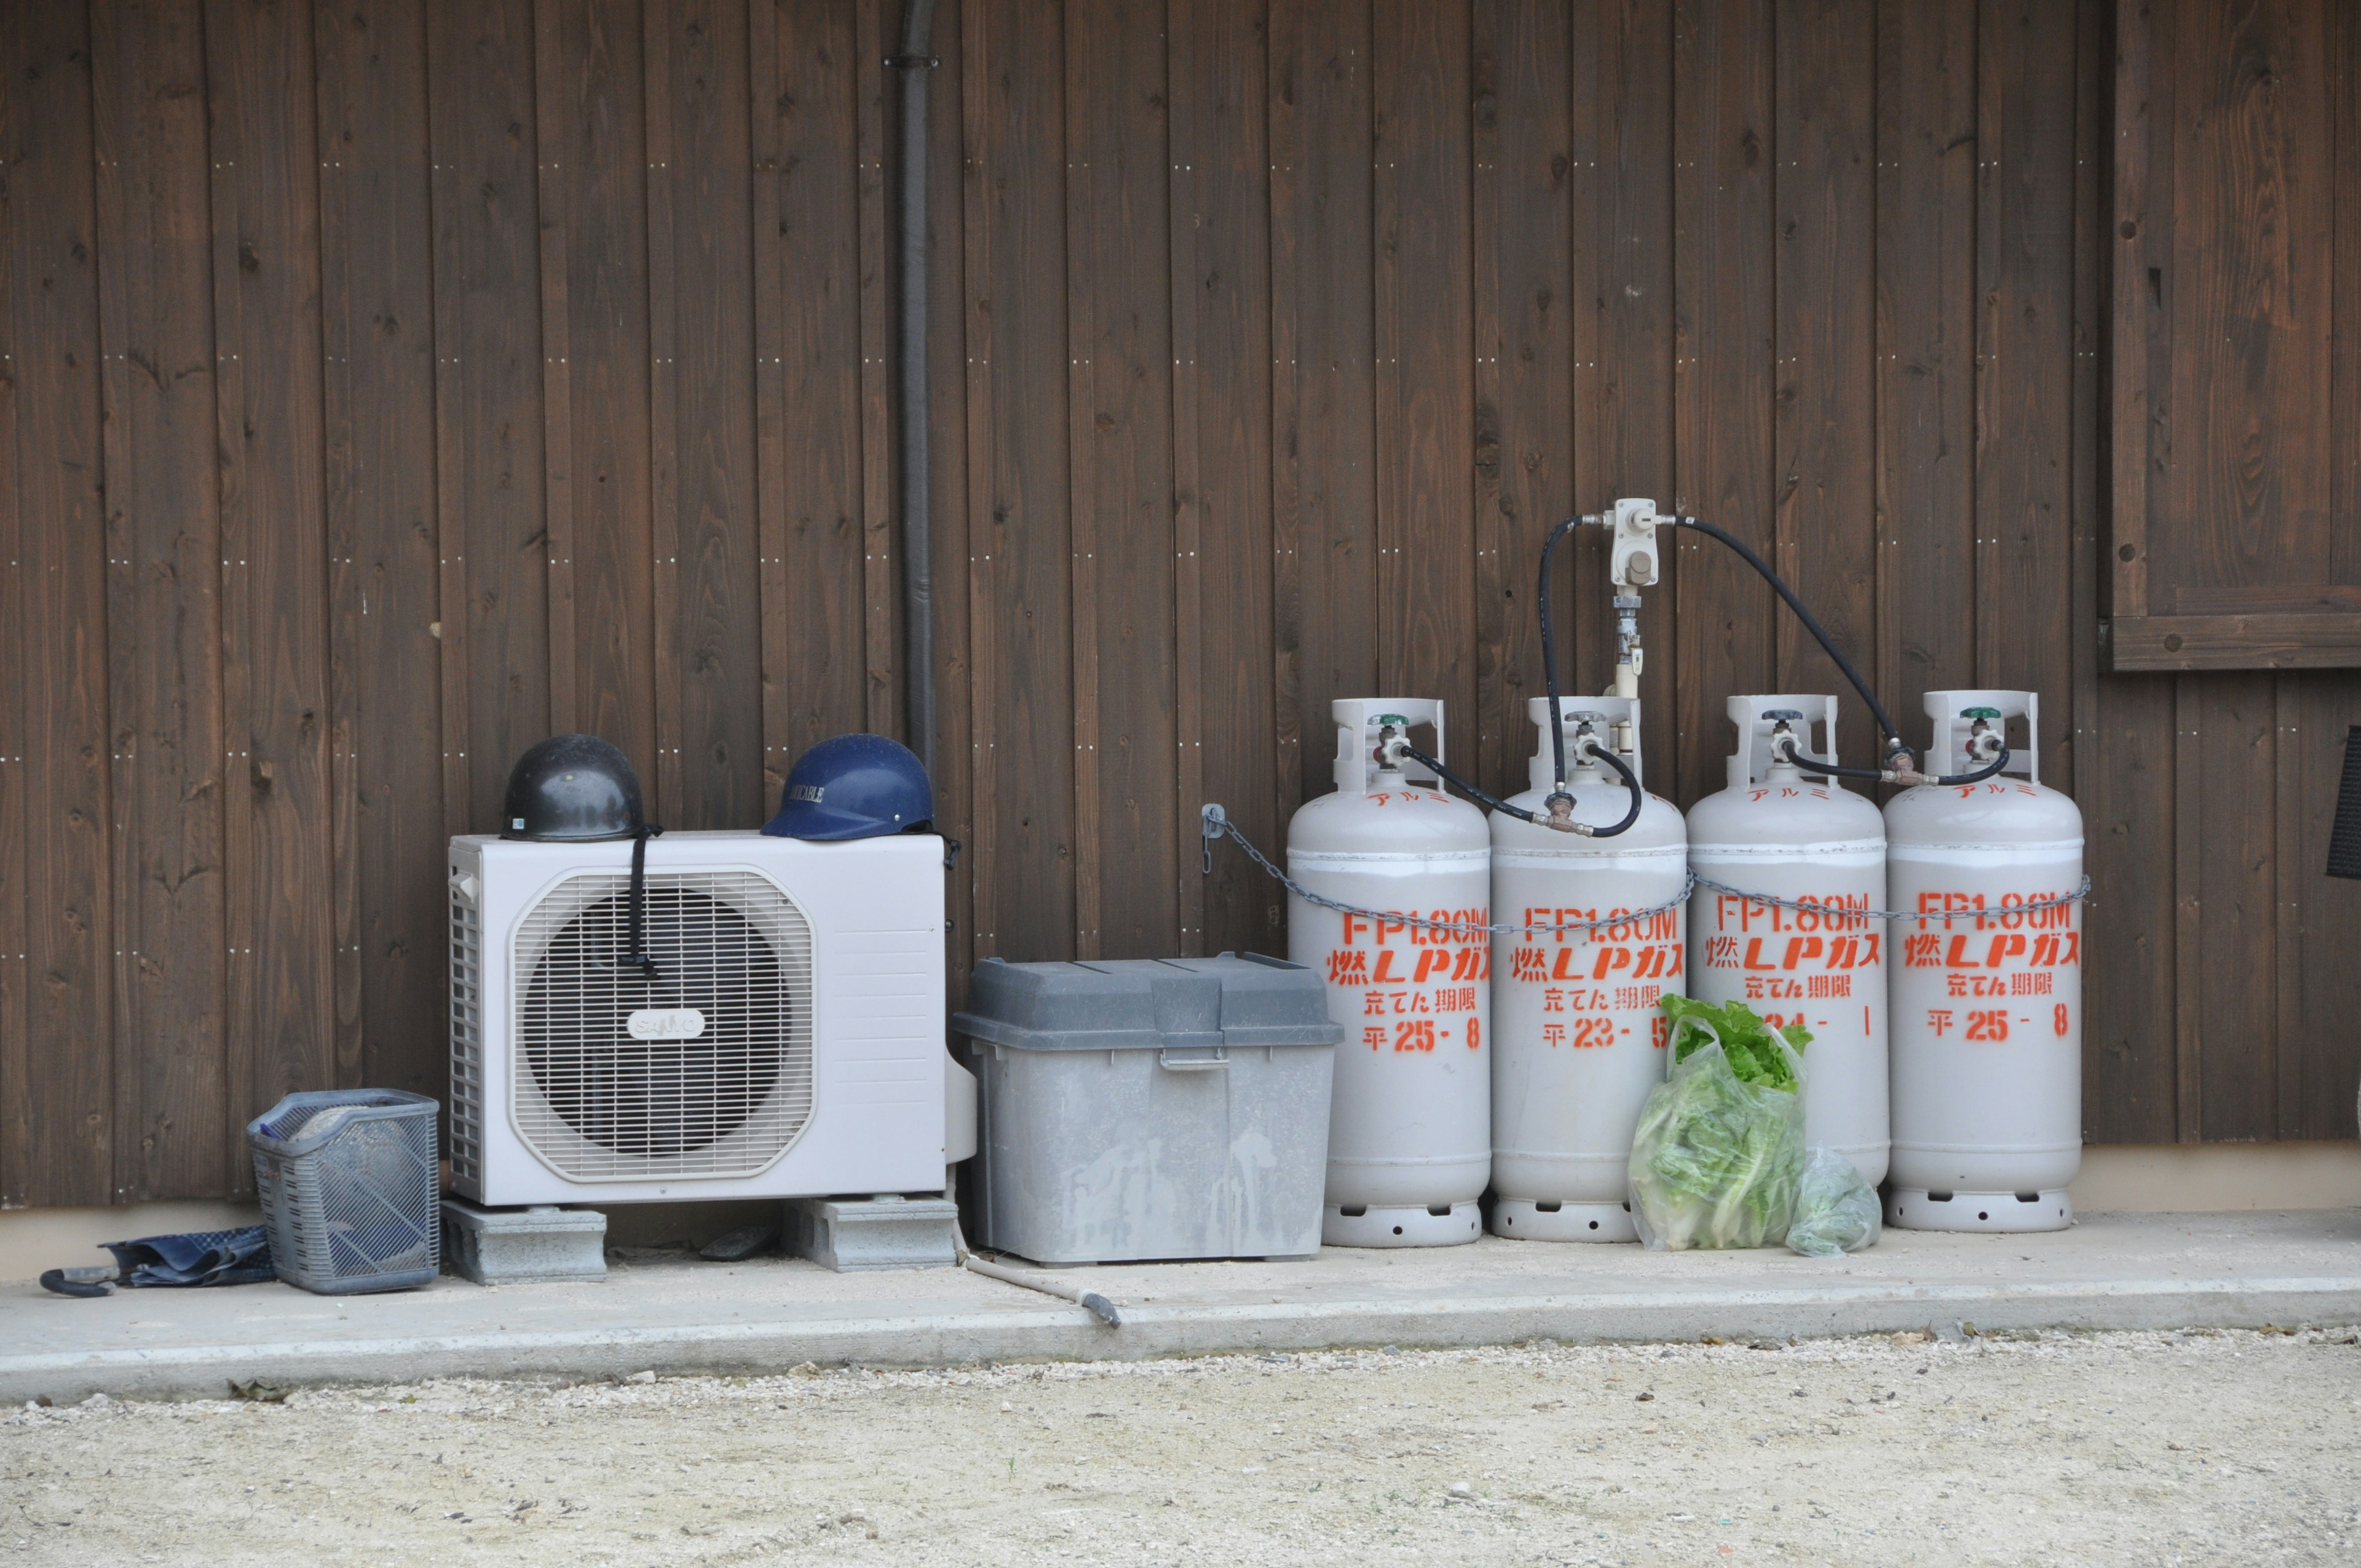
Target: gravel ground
2147,1448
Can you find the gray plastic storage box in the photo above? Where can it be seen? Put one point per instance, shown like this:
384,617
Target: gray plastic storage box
1152,1108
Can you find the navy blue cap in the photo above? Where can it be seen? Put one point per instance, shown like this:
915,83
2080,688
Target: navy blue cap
854,786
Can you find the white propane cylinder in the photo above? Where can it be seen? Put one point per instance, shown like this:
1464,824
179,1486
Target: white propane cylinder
1987,1003
1577,1039
1778,829
1409,1139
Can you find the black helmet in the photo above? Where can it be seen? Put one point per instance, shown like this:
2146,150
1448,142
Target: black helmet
572,789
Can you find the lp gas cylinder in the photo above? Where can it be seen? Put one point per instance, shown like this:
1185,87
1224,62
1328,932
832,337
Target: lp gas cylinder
1577,1039
1987,993
1779,829
1410,1141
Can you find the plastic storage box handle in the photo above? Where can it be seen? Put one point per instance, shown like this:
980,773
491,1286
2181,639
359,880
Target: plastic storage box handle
1183,1058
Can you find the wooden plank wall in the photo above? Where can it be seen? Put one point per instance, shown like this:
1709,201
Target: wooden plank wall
391,382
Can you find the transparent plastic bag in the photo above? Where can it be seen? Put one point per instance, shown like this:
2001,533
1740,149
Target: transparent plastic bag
1836,1211
1715,1159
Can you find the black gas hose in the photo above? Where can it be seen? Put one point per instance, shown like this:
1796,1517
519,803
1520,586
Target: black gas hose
1893,744
1549,652
1811,764
1481,798
1631,782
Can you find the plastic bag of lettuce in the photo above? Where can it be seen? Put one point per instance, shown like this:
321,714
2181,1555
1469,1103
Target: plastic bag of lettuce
1836,1211
1719,1147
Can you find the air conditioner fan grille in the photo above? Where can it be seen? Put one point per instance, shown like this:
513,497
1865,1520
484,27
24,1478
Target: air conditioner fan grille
597,1102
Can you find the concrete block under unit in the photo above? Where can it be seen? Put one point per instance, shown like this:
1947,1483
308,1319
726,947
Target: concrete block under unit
853,1234
503,1247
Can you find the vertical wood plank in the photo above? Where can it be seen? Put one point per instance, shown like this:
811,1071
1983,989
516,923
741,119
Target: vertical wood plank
163,617
17,1164
1928,215
1222,252
2025,337
1724,159
947,386
2142,1071
556,153
594,140
2131,1048
384,536
2320,1062
1525,313
2086,775
502,533
808,271
2238,1040
1826,344
1128,552
2345,296
2249,369
1638,344
659,276
339,508
1425,394
2187,906
1323,413
881,549
2094,102
1020,524
1183,189
2142,200
1085,635
265,210
706,378
62,1131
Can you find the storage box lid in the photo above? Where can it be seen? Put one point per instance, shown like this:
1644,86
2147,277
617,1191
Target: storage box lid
1243,999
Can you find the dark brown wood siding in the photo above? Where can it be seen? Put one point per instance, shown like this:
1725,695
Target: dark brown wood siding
391,382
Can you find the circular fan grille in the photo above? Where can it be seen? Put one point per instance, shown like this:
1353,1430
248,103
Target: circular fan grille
598,1102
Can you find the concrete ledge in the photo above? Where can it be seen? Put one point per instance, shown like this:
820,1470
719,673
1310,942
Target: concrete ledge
954,1339
2110,1272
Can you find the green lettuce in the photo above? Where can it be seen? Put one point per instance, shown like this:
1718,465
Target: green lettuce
1754,1054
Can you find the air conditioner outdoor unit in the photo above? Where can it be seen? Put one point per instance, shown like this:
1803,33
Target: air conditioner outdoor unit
787,1041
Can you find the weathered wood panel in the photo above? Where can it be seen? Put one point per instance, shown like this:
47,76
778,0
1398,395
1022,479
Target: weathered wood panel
286,880
1222,420
495,634
1826,318
1127,568
714,577
1928,168
807,367
62,1125
392,383
1727,368
172,1114
1019,524
1425,395
384,534
1521,72
1324,374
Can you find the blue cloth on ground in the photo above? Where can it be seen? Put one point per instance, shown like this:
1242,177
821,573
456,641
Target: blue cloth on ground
199,1257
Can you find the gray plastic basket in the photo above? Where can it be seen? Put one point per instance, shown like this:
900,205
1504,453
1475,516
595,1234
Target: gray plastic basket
351,1189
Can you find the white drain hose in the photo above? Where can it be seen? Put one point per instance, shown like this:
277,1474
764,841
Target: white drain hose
1097,1303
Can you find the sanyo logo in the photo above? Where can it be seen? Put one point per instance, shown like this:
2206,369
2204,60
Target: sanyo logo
667,1024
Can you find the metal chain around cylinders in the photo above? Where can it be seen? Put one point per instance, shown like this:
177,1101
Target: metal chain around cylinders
1217,825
